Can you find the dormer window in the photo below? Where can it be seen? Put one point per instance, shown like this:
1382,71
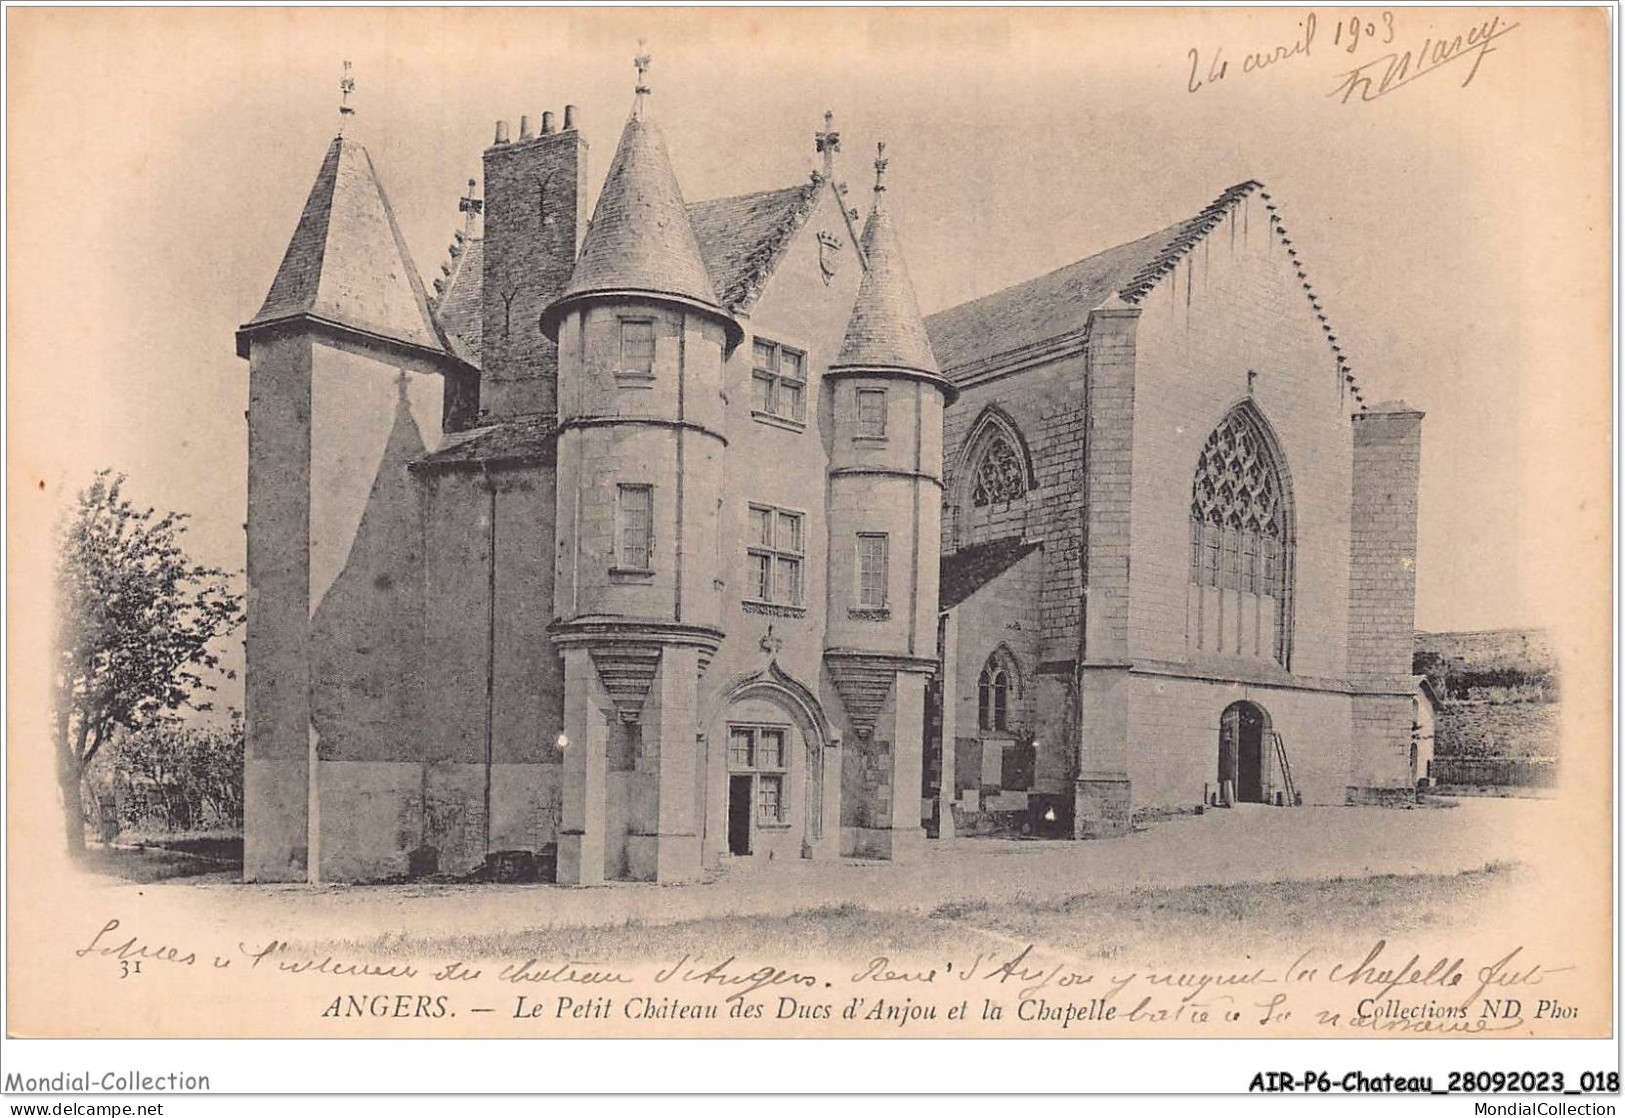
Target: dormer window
778,387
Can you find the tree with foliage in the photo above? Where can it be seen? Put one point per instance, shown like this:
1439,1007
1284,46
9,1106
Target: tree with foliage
136,619
172,776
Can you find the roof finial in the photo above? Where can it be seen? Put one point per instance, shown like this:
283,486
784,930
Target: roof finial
880,170
642,63
471,207
828,142
346,87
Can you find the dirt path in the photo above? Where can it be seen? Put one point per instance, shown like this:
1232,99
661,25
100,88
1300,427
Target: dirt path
1243,845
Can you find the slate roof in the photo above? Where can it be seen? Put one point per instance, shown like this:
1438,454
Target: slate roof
885,330
983,330
1059,302
347,263
1041,308
742,238
640,239
528,438
459,308
967,570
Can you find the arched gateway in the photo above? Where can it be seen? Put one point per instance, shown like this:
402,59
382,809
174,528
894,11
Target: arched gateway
768,787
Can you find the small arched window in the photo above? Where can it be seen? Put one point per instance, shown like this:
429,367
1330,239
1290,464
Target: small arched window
1241,539
991,482
994,691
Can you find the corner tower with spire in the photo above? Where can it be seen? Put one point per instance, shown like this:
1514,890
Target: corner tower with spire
885,522
642,344
349,374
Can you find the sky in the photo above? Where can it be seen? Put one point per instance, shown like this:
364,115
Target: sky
1456,227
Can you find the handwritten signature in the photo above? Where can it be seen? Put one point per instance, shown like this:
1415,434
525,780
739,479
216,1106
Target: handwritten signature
1397,69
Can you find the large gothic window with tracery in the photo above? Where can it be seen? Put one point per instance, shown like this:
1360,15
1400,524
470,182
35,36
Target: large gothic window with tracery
1000,475
1241,543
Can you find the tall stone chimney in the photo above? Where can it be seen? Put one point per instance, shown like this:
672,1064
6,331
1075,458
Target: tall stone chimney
535,215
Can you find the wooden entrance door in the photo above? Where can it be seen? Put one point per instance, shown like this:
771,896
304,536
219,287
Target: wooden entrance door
739,804
1229,735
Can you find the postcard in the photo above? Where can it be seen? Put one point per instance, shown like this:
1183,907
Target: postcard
810,523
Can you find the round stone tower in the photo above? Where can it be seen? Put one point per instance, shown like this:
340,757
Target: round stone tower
885,514
642,340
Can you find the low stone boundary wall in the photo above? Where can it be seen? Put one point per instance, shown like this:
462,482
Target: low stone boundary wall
1522,772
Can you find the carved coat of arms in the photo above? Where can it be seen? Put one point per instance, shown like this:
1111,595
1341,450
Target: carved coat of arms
829,255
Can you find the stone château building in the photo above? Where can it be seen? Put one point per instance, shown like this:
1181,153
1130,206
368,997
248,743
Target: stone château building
621,545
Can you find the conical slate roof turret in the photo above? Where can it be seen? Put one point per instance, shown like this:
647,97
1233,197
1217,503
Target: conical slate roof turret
347,266
886,332
640,242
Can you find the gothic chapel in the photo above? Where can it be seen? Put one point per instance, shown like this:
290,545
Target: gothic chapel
638,545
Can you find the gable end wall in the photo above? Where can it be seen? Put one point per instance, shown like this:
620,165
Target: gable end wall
1235,304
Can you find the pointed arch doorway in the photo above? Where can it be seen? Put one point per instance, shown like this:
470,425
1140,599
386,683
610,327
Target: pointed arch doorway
1243,768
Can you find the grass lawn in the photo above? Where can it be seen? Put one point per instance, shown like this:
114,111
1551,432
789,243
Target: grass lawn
145,859
1146,925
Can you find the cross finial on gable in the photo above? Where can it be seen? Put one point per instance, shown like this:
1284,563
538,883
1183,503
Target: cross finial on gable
828,142
346,87
881,162
470,207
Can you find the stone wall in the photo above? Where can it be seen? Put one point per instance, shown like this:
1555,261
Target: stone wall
277,694
800,310
1044,405
1494,772
1382,602
662,430
335,668
1490,729
494,685
1174,738
1005,613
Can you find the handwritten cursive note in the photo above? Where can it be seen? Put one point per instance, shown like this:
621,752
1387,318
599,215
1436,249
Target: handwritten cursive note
1368,80
1016,990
